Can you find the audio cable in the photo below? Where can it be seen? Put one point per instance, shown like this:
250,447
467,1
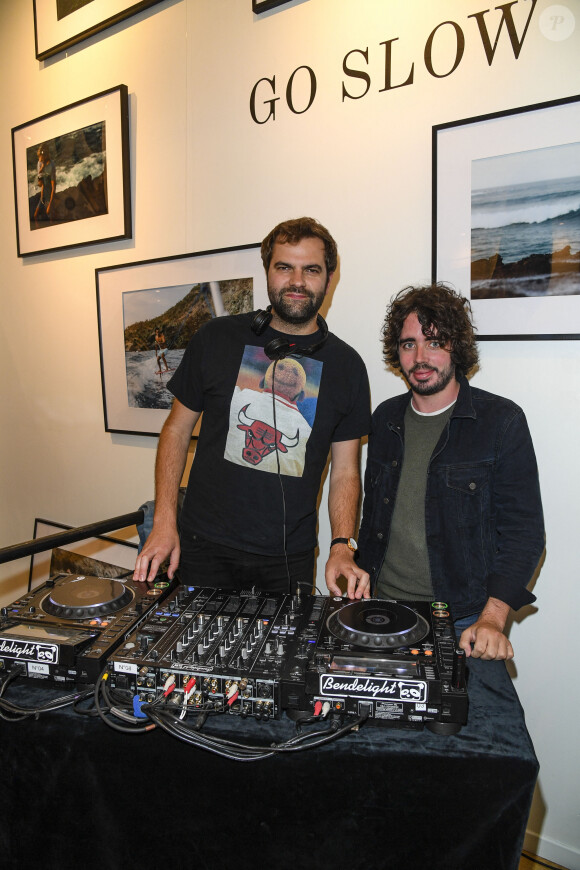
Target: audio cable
11,712
279,472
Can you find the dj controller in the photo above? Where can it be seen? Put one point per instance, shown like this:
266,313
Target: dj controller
249,654
257,655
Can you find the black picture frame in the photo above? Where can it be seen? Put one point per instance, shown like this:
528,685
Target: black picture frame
72,184
54,33
133,377
515,164
259,6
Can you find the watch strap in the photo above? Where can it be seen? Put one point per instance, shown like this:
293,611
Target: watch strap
350,543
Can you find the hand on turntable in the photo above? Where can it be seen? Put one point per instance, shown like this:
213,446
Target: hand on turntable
161,543
341,564
485,638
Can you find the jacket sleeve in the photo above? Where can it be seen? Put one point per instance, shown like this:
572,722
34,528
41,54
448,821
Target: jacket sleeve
380,482
519,520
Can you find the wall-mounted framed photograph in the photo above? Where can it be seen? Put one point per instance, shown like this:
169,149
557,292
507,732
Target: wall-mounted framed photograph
264,5
59,24
71,175
148,312
506,218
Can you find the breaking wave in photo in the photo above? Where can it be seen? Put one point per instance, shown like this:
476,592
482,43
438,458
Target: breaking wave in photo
145,387
525,240
71,175
524,203
549,284
523,219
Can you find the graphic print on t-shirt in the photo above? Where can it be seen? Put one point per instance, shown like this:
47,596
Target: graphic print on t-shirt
288,391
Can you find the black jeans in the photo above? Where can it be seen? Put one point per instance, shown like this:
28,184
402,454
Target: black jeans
204,563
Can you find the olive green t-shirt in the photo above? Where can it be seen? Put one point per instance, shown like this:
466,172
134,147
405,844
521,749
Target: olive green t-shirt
405,572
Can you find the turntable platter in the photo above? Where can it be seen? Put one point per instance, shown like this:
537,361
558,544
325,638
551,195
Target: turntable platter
376,624
86,597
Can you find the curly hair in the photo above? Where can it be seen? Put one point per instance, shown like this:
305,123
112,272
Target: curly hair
292,232
442,312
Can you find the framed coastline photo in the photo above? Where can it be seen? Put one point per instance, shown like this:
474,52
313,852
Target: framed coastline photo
59,24
264,5
147,313
506,218
71,175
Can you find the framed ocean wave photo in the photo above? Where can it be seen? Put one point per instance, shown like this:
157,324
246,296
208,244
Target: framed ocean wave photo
506,218
71,175
60,24
147,313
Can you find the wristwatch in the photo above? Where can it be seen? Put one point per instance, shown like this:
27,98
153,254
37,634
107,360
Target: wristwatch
350,543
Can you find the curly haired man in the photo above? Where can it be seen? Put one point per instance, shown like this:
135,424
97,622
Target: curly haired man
452,509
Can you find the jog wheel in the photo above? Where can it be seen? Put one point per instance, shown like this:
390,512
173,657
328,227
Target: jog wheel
378,624
86,597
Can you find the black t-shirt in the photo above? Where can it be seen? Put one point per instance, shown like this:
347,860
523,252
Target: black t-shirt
235,496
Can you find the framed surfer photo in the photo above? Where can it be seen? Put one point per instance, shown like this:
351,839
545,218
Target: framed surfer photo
148,311
506,219
71,175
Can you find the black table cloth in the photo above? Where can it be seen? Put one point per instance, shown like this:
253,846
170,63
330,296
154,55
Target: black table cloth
77,794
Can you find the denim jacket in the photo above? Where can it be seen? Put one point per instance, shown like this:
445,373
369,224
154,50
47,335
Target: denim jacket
483,511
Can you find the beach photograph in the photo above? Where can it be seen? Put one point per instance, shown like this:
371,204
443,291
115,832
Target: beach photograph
67,177
525,223
158,325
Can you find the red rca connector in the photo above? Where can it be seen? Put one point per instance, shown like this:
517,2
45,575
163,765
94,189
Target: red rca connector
233,694
169,685
317,708
188,689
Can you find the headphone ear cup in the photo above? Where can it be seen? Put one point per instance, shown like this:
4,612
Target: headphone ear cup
277,349
261,320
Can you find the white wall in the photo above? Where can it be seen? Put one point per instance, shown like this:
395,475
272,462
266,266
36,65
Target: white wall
204,175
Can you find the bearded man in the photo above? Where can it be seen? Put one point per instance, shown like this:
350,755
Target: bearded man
250,511
452,509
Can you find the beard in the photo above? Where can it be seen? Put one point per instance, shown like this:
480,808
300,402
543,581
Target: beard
295,311
444,377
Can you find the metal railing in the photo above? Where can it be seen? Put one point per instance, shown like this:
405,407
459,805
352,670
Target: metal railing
92,530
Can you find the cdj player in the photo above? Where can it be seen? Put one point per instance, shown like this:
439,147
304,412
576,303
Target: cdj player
258,654
64,631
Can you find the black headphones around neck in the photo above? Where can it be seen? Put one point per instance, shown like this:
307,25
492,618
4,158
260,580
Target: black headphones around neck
279,348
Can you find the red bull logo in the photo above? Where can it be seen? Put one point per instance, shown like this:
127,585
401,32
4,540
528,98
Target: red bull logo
262,439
